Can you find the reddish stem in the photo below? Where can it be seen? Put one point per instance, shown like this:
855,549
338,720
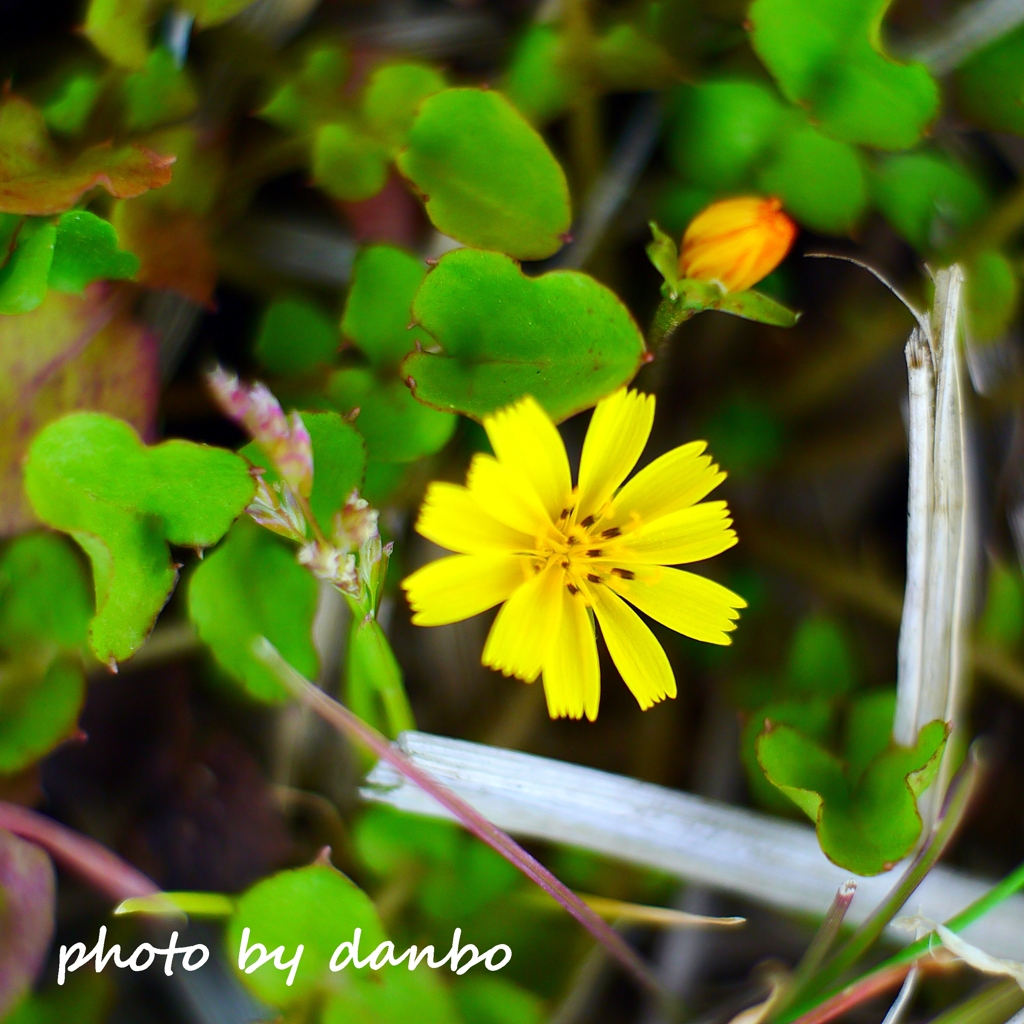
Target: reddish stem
354,727
91,861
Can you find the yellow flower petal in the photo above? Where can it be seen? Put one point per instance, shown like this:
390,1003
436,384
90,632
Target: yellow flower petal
505,494
523,437
638,656
453,518
615,440
673,481
689,604
572,675
521,637
690,535
455,588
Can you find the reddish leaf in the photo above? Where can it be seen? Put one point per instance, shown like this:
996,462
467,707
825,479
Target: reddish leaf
28,889
73,352
35,180
173,248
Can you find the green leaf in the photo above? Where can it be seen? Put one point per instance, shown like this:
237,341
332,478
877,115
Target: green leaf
869,722
374,680
493,1000
1002,621
990,84
388,840
537,81
392,97
394,996
295,337
628,61
829,59
23,278
756,306
349,164
252,586
927,197
84,999
119,29
89,475
487,177
820,659
215,12
69,109
813,716
315,906
158,93
394,425
339,462
664,254
44,595
561,337
37,712
992,293
821,181
864,825
378,310
195,904
86,250
718,131
746,435
314,95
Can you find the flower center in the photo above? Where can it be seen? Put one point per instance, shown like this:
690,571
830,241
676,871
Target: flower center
580,549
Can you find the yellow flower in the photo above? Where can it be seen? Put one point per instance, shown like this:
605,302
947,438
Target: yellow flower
561,557
736,242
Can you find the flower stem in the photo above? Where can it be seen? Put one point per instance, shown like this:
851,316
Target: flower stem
82,856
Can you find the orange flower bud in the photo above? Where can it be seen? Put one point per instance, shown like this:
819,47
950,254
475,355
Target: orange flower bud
736,242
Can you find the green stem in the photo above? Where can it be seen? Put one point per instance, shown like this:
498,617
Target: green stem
995,1004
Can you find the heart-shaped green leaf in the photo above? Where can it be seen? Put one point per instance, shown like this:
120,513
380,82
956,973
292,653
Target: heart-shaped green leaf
349,164
927,197
86,250
295,336
159,93
990,84
37,711
252,586
315,906
394,996
395,426
865,824
89,475
820,180
44,595
393,95
378,309
487,177
829,59
561,337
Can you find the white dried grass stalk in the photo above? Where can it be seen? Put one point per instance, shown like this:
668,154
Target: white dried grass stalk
940,549
766,859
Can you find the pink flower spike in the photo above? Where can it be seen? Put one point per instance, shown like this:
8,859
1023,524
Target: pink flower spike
284,439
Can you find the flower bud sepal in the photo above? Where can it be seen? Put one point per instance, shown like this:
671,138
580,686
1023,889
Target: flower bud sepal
684,297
